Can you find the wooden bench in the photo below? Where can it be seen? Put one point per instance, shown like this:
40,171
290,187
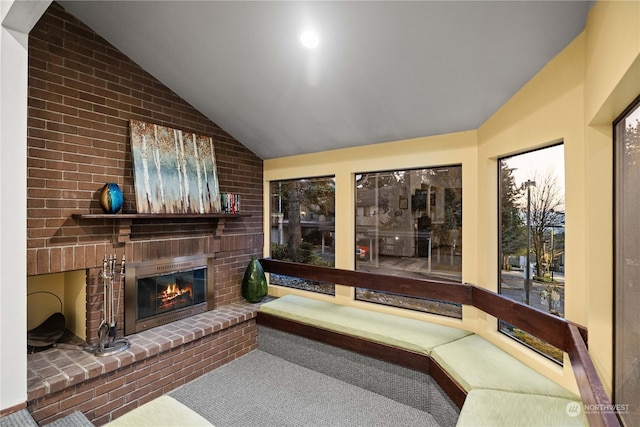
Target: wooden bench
460,362
490,386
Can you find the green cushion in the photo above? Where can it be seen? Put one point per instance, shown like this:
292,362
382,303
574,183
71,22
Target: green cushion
494,408
409,334
477,364
163,411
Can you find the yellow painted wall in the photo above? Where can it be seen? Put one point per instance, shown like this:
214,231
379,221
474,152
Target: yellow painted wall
613,43
547,110
75,301
573,99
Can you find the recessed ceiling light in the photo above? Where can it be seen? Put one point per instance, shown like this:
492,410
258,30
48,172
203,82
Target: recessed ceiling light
310,39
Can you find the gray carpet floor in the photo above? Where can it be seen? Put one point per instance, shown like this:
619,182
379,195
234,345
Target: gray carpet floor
75,419
413,388
260,389
21,418
24,419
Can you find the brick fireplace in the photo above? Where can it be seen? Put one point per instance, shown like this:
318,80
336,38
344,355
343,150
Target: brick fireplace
214,247
82,94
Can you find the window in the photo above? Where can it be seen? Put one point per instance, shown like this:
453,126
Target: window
409,223
627,263
303,227
532,236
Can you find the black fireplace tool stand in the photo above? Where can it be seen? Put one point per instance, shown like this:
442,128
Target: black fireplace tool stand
112,274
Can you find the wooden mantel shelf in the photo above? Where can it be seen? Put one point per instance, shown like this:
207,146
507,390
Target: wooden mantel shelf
122,222
158,216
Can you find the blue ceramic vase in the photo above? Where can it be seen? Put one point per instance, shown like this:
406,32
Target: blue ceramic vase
111,198
254,283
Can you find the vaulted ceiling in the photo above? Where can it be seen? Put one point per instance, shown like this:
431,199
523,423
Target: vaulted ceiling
383,70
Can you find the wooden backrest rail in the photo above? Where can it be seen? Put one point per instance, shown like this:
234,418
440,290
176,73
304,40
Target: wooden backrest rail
555,330
443,291
597,403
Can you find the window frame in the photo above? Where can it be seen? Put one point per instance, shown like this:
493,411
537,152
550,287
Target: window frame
298,283
406,203
617,147
554,354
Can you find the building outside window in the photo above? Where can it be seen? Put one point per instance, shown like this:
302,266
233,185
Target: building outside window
409,223
532,235
303,227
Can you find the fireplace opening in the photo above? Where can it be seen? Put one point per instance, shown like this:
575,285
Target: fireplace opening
170,292
58,292
158,292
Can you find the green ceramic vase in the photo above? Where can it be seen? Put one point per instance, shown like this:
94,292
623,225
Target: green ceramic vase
254,283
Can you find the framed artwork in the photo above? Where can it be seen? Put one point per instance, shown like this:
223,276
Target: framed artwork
173,171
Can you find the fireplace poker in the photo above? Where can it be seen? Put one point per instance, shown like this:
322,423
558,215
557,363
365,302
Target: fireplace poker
103,329
114,313
112,319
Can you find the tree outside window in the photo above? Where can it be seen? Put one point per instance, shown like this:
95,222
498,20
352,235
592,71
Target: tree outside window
303,227
532,230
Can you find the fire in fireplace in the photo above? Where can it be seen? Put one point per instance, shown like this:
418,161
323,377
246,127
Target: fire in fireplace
158,292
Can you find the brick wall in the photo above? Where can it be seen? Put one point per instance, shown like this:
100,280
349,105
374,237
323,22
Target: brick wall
82,94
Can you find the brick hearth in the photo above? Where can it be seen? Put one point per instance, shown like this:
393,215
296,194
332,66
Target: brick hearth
67,378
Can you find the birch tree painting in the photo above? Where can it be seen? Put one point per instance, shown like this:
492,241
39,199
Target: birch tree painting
174,171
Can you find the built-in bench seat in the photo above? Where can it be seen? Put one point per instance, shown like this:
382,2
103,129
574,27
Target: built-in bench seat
485,407
409,334
500,390
161,411
475,363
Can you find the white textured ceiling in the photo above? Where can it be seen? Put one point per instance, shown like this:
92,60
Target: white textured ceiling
384,70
